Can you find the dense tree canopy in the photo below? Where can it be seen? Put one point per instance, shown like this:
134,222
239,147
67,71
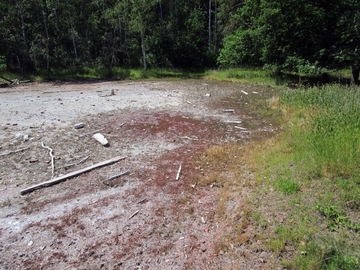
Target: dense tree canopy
285,35
301,36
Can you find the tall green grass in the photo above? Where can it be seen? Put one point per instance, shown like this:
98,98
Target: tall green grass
242,75
326,132
314,165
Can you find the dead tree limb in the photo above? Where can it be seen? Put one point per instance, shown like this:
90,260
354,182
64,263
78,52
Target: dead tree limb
2,77
70,175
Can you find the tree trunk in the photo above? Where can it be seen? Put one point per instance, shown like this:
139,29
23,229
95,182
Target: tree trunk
355,75
23,31
143,48
215,27
209,26
45,14
72,32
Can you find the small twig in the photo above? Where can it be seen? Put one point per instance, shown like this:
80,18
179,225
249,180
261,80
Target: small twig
117,235
52,159
233,122
134,214
143,200
14,152
229,110
68,166
83,160
189,138
242,128
246,93
118,175
178,173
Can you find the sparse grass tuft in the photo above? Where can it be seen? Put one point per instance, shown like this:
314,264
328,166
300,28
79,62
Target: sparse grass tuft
287,186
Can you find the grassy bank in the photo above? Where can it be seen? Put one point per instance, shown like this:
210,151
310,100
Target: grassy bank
318,175
302,187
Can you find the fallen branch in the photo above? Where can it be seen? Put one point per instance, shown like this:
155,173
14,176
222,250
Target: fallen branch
52,159
5,79
229,110
178,173
118,175
70,175
14,152
246,93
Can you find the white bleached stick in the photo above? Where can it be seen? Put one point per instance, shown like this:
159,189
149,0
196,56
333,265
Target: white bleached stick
178,173
52,159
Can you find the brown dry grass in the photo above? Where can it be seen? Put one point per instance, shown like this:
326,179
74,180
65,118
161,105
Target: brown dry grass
231,168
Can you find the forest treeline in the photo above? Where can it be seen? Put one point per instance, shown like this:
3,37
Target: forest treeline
281,35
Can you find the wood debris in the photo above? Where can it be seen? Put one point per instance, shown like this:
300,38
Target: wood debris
242,128
101,139
134,214
68,166
118,175
142,201
52,159
229,110
14,152
233,122
70,175
194,138
83,160
178,173
246,93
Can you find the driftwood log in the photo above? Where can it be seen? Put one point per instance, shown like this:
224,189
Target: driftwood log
70,175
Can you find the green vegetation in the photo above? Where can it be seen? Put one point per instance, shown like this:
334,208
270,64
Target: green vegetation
295,36
304,37
242,75
305,189
116,74
318,154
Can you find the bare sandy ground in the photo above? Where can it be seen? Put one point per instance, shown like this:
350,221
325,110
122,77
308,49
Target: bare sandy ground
145,219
